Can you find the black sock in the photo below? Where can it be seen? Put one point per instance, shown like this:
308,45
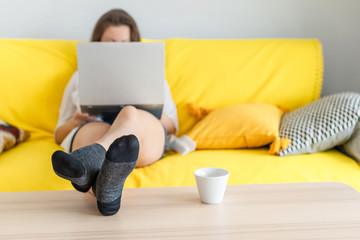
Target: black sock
120,161
81,166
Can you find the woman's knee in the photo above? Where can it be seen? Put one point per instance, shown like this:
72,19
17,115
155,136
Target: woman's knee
129,113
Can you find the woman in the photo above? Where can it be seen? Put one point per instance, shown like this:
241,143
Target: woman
103,152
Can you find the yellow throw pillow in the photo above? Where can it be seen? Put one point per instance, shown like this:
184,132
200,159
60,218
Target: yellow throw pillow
247,125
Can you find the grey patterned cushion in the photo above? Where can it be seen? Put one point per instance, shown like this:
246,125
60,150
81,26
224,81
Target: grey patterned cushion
320,125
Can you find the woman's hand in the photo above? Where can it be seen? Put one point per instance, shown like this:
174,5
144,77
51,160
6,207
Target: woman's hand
77,120
168,124
80,118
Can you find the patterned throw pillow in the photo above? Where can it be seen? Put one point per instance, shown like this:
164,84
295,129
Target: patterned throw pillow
10,136
320,125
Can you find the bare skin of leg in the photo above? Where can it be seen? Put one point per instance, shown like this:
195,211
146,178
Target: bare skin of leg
142,124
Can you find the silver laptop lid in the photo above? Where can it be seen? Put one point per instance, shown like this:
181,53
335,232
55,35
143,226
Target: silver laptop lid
118,74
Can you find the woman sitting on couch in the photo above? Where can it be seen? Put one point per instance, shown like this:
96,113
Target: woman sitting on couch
103,152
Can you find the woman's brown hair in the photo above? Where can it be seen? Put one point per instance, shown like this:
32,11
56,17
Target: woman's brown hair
115,17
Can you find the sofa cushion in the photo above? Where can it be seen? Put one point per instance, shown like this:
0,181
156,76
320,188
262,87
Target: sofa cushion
219,73
28,168
10,136
34,74
249,166
320,125
247,125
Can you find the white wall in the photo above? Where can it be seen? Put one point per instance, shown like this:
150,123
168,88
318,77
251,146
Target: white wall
334,22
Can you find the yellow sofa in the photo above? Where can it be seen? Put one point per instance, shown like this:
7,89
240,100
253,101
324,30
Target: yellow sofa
211,73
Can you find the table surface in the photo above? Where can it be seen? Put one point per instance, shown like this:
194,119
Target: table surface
259,211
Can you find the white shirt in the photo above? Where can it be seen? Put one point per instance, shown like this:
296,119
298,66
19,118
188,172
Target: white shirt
70,103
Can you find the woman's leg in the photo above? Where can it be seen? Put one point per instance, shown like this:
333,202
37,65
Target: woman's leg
136,138
147,128
93,140
89,134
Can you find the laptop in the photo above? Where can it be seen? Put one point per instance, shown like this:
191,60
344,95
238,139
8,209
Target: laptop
113,75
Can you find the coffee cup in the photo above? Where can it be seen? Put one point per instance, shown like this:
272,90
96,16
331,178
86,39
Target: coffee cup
211,184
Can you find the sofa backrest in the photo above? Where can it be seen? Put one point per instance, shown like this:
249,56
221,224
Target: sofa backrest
211,73
217,73
33,76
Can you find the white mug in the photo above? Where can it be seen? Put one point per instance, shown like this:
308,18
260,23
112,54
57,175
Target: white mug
211,184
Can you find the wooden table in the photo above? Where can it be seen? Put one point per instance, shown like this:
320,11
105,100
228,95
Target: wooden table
260,211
